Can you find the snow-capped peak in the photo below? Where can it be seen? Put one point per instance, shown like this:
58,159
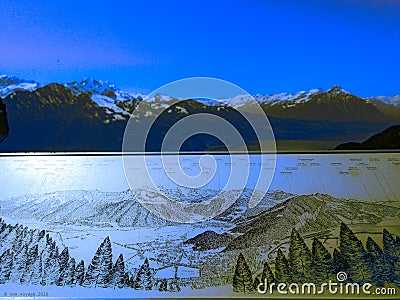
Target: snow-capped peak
337,90
9,84
299,97
91,85
100,87
104,93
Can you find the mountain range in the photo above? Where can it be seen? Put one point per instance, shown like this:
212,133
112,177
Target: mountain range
121,209
91,115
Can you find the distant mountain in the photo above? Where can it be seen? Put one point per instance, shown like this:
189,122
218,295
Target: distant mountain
10,84
284,99
92,208
391,110
388,139
394,100
92,86
335,104
315,214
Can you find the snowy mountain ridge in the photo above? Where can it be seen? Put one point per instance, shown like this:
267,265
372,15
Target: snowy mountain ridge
107,95
100,87
273,99
10,84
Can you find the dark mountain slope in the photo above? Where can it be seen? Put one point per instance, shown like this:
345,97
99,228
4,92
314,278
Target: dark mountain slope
308,214
3,121
388,139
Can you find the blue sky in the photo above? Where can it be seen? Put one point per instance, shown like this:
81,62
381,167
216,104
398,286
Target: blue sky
263,46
